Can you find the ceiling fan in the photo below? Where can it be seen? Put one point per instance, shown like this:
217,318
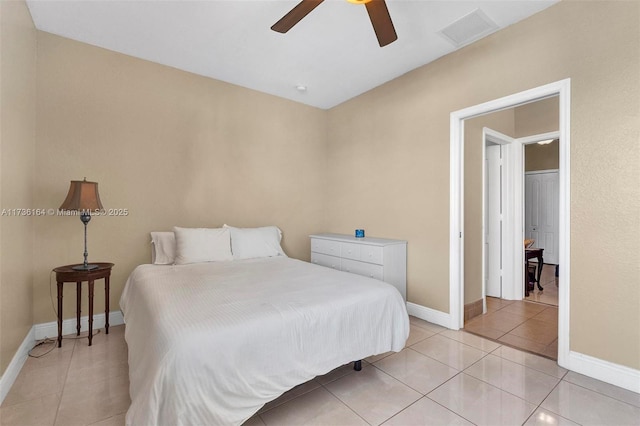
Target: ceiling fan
377,9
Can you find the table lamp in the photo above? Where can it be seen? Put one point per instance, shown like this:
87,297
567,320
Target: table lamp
83,197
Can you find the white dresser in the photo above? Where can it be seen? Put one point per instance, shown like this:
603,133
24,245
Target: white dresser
379,258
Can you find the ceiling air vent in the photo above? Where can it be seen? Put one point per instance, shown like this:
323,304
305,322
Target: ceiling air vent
469,28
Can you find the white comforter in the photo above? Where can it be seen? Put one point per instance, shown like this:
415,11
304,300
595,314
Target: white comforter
211,343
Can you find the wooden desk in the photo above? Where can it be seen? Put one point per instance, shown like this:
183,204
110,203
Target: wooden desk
530,253
65,274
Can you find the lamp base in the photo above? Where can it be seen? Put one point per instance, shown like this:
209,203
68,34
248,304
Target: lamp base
84,267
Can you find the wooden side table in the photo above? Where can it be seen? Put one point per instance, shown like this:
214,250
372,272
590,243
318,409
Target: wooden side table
65,274
530,253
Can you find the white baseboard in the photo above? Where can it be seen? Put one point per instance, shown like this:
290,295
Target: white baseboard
615,374
14,367
50,329
428,314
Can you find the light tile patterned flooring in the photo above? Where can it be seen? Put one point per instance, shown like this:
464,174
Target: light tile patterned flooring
530,324
441,377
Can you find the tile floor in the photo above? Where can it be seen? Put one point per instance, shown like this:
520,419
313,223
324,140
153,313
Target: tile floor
72,385
441,377
530,324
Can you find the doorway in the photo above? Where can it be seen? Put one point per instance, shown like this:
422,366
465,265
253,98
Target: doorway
560,89
532,323
541,213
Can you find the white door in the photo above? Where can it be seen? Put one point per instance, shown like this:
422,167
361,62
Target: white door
542,212
493,225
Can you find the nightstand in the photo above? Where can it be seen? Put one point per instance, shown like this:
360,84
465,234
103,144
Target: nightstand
66,274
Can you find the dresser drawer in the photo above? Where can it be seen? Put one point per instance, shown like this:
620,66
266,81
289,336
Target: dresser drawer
325,260
319,245
372,254
380,258
361,268
350,251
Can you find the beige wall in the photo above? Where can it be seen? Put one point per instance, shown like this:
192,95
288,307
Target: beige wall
17,140
542,157
536,118
389,159
171,147
175,148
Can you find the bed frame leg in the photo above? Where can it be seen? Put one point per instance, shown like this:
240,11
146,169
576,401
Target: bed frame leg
357,365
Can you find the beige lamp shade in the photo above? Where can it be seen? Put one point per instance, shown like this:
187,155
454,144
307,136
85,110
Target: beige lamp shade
82,196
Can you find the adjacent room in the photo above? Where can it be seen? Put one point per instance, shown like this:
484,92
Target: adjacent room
494,309
313,212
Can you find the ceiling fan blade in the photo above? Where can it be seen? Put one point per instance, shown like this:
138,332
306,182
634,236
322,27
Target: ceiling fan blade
294,16
381,21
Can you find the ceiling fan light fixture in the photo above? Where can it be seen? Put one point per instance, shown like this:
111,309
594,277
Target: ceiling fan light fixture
377,11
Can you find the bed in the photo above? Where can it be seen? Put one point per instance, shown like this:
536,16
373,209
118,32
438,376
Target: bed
210,343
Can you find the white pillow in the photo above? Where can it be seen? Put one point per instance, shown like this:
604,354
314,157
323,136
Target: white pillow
163,248
195,245
249,243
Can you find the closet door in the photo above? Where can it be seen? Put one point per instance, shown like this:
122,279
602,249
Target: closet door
542,213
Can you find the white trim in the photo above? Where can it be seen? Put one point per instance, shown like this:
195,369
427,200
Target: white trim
527,140
456,223
428,314
564,225
496,137
515,212
562,89
50,329
14,367
541,172
615,374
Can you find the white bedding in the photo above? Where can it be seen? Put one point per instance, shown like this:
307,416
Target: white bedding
210,343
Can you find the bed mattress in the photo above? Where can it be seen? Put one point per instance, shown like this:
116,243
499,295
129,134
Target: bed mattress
211,343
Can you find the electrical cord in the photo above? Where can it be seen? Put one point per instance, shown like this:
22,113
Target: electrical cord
45,341
80,337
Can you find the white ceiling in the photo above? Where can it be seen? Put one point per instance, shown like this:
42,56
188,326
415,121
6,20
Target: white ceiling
333,51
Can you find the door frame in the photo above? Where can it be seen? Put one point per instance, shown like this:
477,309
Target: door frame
562,89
